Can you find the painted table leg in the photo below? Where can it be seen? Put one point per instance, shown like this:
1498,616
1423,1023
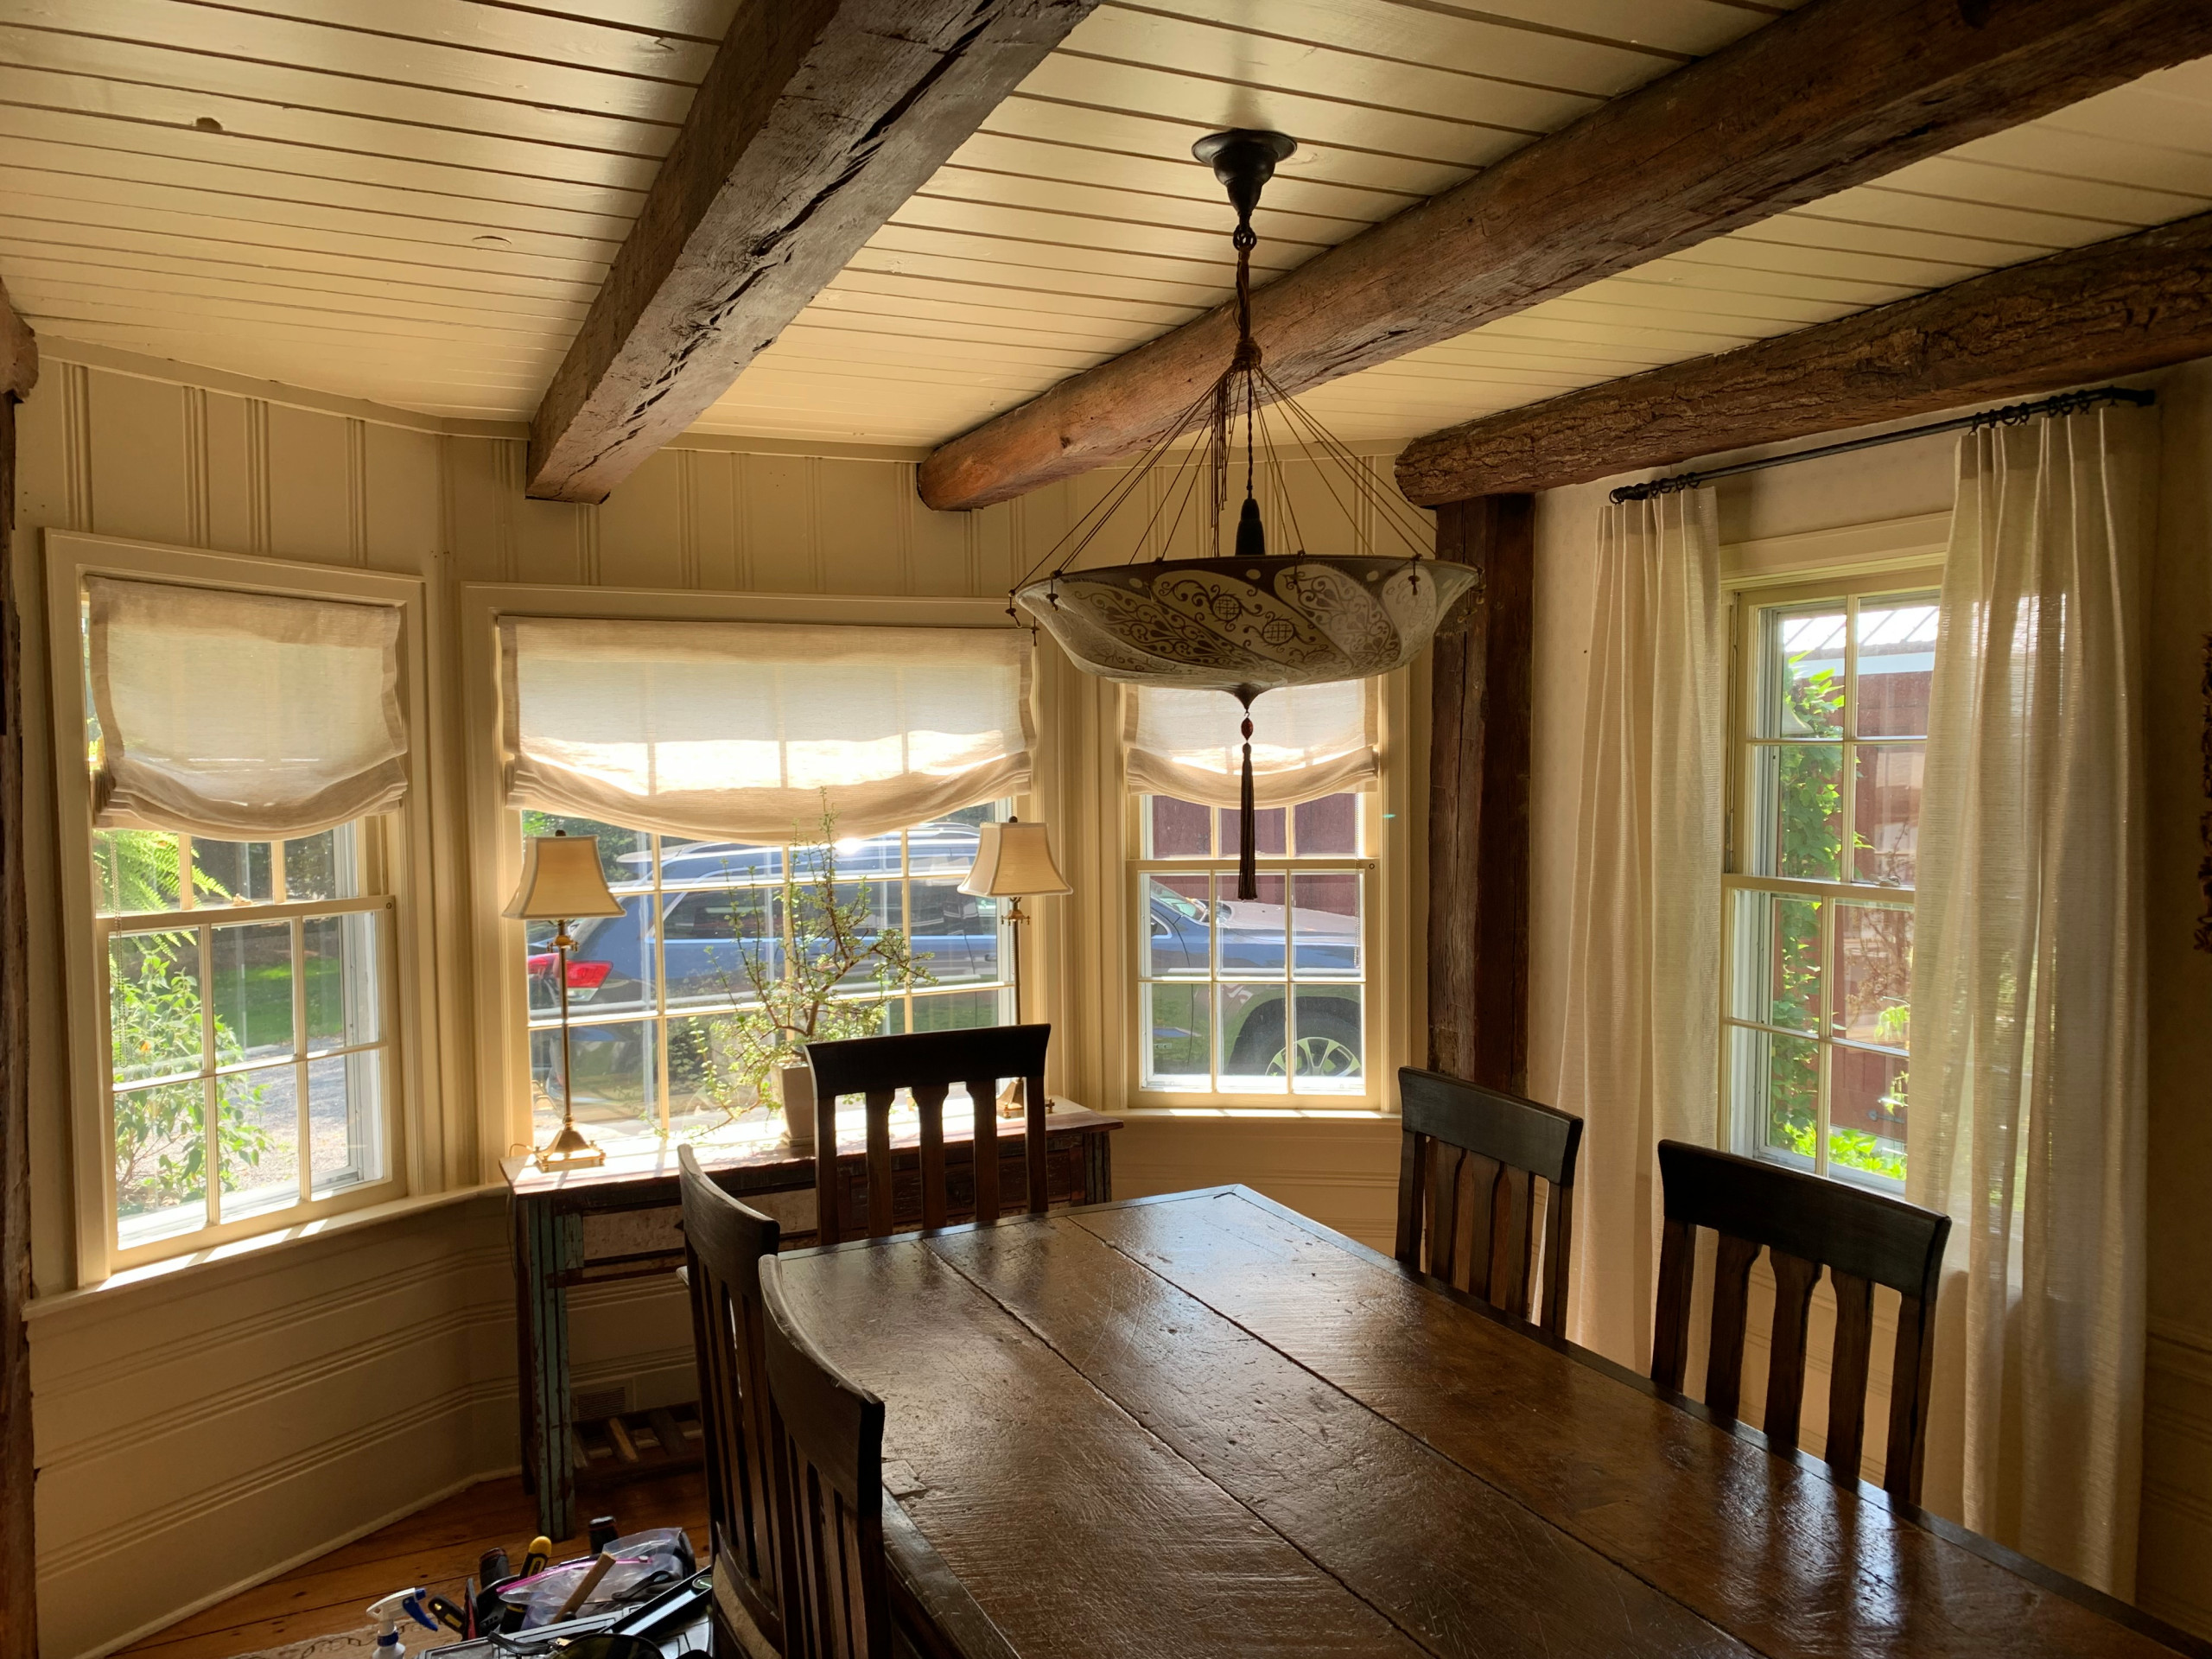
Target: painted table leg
1098,1168
556,1247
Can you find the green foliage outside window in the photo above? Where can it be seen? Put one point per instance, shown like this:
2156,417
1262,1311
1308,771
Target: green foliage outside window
160,1152
1811,842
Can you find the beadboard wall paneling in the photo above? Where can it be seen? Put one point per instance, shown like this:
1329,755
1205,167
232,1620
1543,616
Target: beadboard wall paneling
1341,1170
259,1411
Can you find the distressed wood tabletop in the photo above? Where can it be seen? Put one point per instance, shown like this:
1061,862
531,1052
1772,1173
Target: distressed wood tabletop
1203,1424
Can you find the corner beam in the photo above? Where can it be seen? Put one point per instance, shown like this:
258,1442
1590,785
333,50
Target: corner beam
816,121
1480,711
18,1558
2135,303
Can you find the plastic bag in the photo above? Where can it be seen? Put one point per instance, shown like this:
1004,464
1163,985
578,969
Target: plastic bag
644,1563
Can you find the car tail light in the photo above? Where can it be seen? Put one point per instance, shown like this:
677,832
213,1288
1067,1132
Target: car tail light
588,976
540,964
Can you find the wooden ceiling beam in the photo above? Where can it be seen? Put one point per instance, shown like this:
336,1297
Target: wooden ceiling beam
1836,94
2122,307
817,119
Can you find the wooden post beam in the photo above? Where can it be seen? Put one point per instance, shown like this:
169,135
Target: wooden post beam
2121,306
1836,94
817,119
1480,705
18,1558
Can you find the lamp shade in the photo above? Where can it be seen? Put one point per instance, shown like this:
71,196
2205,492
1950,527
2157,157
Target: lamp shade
561,881
1013,860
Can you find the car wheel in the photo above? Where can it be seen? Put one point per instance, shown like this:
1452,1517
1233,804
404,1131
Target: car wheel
1319,1056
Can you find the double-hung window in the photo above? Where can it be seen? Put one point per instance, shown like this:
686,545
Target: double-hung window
234,739
1267,996
724,765
1831,718
1270,999
249,1025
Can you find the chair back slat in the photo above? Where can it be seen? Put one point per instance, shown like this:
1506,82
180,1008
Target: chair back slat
929,1103
1513,1211
1912,1385
926,1065
880,1207
724,1243
1467,1193
1849,1363
828,1453
1732,1310
1794,1278
1805,1224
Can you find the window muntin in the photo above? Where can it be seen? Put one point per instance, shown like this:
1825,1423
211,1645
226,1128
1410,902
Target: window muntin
1265,998
1833,707
648,988
248,1027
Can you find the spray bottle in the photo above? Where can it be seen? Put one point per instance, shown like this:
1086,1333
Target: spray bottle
394,1610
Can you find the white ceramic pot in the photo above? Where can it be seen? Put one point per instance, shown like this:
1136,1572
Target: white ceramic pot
798,1084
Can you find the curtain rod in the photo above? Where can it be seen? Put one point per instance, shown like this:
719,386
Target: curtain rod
2066,403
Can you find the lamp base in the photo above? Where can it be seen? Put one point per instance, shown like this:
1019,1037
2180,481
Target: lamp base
569,1150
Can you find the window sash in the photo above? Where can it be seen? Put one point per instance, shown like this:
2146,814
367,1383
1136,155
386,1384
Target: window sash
1750,812
1141,868
201,922
660,1015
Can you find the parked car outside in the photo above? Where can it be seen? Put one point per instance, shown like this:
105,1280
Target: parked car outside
717,902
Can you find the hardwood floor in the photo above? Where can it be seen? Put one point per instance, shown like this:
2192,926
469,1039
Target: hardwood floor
438,1546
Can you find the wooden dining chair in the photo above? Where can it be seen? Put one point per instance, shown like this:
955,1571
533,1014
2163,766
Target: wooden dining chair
926,1065
1805,1224
725,1242
1467,1171
827,1454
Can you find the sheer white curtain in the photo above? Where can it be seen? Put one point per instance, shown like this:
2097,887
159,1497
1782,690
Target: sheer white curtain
737,730
1642,1024
2027,1116
1307,741
242,716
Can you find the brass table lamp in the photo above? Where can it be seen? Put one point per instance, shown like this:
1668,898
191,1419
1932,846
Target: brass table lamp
1013,860
561,882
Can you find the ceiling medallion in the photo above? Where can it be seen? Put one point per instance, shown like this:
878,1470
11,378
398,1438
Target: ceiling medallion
1240,620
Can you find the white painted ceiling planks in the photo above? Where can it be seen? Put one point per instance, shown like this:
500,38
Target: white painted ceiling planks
413,200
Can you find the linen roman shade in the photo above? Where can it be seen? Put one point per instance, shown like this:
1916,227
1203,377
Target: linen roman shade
737,730
1307,741
242,716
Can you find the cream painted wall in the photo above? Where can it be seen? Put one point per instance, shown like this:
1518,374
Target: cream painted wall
1805,515
234,1415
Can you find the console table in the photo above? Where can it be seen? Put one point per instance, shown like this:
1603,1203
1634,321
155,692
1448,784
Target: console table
552,1252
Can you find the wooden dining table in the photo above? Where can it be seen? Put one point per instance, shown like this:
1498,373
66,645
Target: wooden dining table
1205,1425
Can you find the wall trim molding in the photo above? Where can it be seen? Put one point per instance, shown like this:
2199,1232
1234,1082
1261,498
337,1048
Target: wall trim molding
114,360
246,1258
462,1398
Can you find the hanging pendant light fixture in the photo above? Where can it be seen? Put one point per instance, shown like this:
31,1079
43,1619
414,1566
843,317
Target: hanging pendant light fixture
1238,619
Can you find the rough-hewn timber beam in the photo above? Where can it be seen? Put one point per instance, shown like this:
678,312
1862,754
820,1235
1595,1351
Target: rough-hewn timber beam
18,1559
817,120
2113,307
1481,685
1836,94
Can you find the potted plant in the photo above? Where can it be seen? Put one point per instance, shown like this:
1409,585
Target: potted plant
798,977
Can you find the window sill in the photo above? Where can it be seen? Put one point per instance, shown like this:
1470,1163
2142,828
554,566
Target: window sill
175,1270
1151,1111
